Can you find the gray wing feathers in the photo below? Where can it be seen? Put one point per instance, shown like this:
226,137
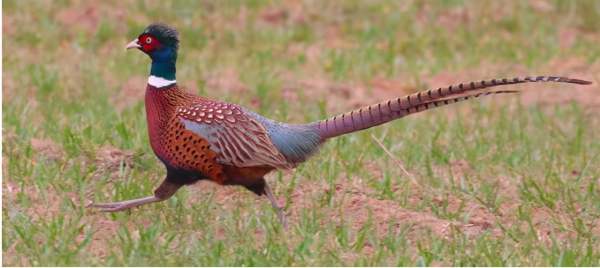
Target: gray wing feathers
241,143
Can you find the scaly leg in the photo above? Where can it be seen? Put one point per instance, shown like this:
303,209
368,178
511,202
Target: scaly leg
278,209
163,192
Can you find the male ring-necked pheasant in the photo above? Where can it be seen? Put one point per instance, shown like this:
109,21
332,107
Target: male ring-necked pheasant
197,138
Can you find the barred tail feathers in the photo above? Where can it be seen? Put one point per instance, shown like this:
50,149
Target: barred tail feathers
384,112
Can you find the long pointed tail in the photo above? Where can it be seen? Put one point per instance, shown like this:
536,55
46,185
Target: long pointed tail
380,113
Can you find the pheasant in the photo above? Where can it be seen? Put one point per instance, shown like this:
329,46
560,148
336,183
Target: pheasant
201,139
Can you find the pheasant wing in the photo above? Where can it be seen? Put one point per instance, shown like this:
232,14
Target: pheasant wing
237,138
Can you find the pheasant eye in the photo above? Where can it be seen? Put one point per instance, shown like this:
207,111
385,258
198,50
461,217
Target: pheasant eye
148,40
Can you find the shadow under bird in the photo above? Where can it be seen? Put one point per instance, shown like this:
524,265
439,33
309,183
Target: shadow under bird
201,139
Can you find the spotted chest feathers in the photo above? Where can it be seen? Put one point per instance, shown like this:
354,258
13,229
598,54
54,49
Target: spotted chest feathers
187,151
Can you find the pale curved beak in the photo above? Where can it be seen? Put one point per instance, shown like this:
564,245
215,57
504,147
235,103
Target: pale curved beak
133,44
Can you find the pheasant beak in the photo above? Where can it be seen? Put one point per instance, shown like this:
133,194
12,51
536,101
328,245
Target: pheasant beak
133,44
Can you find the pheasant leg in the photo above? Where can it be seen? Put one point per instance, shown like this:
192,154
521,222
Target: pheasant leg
278,209
123,205
163,192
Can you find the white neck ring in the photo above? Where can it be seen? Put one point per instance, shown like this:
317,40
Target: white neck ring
157,82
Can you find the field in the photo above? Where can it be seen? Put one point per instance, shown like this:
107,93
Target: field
501,181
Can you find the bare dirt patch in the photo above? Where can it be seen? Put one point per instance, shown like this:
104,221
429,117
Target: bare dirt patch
87,16
343,96
9,86
83,17
453,18
131,93
45,203
227,81
359,206
311,52
103,230
109,161
110,158
546,223
290,12
274,15
226,198
587,96
542,6
8,25
47,148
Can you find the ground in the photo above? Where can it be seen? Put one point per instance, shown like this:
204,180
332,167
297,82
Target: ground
508,180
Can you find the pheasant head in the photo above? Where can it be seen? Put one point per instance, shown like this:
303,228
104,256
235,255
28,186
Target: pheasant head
160,42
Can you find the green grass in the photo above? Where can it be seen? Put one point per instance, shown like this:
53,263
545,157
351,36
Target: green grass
532,172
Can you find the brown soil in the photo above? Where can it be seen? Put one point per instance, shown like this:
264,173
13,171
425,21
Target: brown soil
8,26
47,148
587,96
131,93
110,158
290,12
86,16
274,15
343,96
226,81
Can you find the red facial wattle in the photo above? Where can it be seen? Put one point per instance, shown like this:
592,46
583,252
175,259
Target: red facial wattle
148,43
